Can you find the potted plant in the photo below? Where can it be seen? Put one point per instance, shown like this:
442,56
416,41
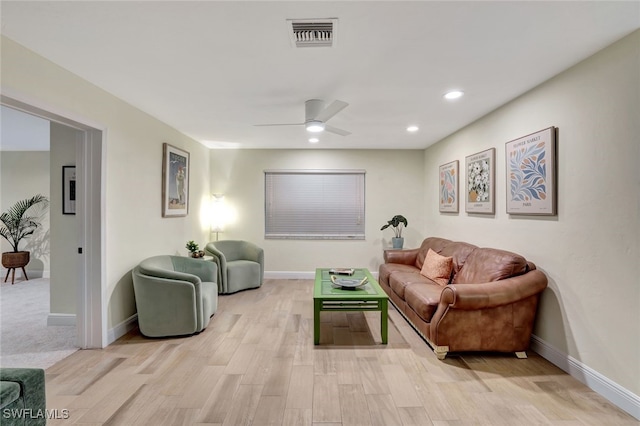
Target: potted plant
19,222
398,222
194,249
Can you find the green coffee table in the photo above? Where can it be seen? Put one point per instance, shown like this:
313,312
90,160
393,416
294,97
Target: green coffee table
328,297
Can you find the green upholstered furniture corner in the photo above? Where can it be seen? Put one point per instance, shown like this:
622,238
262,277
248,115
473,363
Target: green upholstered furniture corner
175,295
22,397
240,264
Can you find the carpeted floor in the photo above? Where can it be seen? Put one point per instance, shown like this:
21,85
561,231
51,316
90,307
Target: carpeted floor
25,338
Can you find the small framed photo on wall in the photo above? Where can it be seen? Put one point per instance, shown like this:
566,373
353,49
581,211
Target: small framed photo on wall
531,173
68,190
480,188
449,187
175,181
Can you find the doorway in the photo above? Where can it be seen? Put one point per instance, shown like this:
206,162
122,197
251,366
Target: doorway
90,302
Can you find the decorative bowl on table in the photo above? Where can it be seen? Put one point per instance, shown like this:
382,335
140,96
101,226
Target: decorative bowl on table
348,283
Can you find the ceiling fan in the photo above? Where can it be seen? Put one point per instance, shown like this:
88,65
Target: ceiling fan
316,117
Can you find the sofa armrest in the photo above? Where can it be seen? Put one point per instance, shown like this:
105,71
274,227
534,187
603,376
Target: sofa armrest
405,257
206,271
493,294
32,388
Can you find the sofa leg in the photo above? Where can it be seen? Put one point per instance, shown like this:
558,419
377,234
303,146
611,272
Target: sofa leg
521,355
441,351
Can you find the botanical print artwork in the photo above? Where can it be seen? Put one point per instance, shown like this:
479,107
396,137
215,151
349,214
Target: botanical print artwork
449,187
480,182
531,174
528,173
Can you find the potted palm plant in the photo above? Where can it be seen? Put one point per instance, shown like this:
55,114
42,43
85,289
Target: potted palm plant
398,222
19,222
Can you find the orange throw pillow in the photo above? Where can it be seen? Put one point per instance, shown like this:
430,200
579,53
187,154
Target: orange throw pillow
437,268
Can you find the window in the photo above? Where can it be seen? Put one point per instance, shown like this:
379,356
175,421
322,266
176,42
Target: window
314,204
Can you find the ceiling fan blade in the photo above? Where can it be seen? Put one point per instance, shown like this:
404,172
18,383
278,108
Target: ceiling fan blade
283,124
335,107
336,131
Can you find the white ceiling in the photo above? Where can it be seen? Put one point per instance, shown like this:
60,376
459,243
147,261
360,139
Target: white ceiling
213,69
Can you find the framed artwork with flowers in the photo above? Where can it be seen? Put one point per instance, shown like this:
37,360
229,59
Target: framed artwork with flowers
480,189
531,173
449,187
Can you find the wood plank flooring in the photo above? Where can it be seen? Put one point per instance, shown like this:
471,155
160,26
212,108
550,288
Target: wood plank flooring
256,364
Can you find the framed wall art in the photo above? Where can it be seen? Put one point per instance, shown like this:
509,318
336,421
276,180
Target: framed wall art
531,174
175,181
68,189
449,187
480,188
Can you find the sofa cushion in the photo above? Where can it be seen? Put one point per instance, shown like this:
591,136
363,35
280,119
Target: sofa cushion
386,269
486,264
398,281
437,268
423,299
459,251
434,243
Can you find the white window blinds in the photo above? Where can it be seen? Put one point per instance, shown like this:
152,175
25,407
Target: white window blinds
314,204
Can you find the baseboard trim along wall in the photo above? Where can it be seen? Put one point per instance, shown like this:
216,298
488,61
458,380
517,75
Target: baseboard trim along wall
621,397
121,329
297,275
61,319
32,273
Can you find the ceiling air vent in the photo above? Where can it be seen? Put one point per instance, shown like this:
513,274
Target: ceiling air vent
313,32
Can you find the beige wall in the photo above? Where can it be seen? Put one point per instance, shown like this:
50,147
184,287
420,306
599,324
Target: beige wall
24,174
590,250
393,186
64,228
135,228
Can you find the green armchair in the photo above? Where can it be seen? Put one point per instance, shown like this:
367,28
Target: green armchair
240,264
22,397
175,295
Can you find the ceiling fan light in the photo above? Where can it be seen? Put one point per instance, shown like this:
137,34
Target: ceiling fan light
314,126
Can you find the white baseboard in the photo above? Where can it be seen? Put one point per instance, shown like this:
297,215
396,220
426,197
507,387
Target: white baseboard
33,273
121,329
297,275
623,398
61,319
289,275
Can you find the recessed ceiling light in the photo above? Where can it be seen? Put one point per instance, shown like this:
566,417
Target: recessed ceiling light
454,94
412,129
314,140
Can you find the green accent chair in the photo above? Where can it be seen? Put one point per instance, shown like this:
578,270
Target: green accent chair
240,264
175,295
22,397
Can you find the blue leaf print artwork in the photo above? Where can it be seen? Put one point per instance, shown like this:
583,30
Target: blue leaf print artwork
528,173
447,186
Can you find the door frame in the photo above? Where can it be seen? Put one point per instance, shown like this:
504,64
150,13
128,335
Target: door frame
91,309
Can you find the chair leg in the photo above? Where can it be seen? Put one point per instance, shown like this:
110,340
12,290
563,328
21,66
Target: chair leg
25,274
13,275
8,271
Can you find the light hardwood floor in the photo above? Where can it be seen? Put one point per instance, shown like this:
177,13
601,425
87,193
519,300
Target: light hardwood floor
256,364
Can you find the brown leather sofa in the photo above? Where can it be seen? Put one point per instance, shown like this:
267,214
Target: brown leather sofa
489,304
